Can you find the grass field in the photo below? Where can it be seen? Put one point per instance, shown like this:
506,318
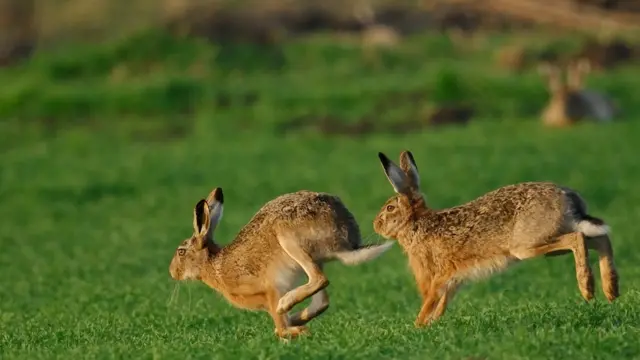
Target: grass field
100,173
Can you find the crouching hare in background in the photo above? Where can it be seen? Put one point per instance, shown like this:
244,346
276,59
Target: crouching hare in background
290,234
473,240
569,101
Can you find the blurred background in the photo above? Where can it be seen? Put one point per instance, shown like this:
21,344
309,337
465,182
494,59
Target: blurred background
179,57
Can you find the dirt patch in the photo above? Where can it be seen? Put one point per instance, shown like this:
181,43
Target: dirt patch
257,22
450,115
163,133
17,31
271,25
619,5
602,55
607,55
225,100
328,125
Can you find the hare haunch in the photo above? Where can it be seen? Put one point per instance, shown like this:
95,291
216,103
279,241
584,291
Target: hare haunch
289,235
513,223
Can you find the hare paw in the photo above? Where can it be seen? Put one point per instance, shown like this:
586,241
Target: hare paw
291,332
284,304
421,324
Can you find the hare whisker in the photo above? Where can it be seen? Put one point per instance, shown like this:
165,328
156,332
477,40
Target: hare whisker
174,294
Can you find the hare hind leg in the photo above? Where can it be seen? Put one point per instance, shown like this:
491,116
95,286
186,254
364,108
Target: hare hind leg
319,304
317,279
574,242
608,272
280,321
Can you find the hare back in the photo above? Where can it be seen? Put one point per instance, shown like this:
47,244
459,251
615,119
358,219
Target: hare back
497,224
597,105
321,224
490,216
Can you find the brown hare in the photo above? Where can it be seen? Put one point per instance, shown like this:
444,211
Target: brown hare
289,235
516,222
570,102
374,34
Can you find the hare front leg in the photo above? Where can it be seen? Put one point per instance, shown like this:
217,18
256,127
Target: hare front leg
317,279
319,304
448,292
430,297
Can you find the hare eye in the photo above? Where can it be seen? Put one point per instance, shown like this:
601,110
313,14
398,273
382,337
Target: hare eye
181,252
390,207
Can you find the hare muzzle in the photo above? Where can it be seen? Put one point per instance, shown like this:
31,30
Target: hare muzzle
173,270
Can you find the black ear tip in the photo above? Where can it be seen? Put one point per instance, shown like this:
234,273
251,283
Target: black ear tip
410,154
383,158
219,196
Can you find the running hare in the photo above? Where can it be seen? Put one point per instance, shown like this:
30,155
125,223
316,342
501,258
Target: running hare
473,240
570,102
290,234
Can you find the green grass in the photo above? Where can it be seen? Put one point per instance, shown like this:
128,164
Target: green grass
93,207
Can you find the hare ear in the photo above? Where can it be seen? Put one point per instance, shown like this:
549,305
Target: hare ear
201,222
215,200
397,177
201,218
552,72
577,71
408,165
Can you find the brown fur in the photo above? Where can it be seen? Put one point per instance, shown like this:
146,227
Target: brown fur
374,36
289,235
516,222
568,103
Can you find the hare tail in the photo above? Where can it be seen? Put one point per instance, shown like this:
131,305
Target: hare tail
592,226
589,225
363,254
